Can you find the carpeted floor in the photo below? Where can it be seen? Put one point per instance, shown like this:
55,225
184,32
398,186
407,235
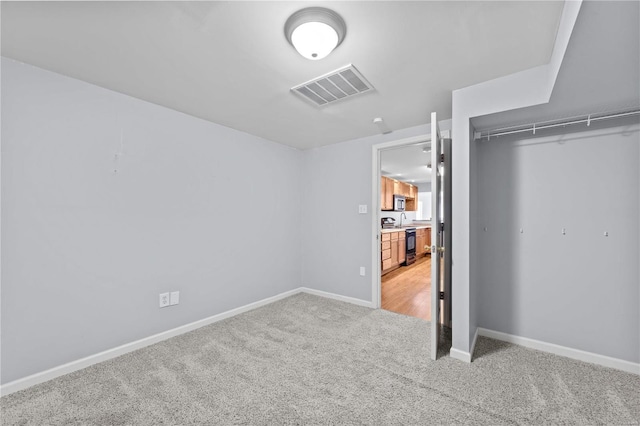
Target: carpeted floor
310,360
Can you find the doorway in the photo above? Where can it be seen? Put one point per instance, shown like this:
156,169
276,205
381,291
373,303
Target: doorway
405,281
397,285
402,275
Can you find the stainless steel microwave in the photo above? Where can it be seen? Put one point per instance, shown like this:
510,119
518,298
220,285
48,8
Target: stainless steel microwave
398,203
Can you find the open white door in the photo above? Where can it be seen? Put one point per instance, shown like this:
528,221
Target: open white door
440,240
445,230
436,219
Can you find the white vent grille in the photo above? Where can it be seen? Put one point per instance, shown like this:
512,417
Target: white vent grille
337,85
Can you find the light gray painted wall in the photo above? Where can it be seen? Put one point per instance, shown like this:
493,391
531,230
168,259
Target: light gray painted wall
578,290
474,243
424,187
424,195
336,239
87,251
519,90
425,199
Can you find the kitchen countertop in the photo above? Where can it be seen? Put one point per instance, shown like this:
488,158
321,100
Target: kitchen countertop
404,227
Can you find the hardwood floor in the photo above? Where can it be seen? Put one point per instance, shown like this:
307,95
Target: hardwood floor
407,290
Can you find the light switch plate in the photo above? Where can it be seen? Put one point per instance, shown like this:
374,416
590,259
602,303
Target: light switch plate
362,270
175,297
362,209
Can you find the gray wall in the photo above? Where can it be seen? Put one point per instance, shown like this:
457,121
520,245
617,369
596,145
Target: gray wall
337,240
519,90
578,290
424,187
425,199
86,251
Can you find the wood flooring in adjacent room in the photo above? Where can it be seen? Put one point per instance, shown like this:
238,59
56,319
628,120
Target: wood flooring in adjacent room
407,290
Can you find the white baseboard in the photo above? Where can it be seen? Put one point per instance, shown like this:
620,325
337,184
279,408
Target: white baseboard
85,362
79,364
606,361
339,297
473,344
460,355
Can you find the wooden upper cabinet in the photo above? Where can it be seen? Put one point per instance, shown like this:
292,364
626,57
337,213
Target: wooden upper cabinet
404,188
389,187
413,191
386,193
397,187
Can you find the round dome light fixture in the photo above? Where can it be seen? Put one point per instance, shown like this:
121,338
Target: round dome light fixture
315,31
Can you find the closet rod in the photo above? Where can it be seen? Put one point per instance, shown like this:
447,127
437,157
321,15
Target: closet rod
533,127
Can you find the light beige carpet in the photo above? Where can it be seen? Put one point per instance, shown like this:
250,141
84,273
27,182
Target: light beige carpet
310,360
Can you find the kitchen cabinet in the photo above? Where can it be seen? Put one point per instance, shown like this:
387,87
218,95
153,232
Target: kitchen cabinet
401,188
390,187
397,188
420,242
386,251
402,247
413,192
393,250
411,204
423,241
386,193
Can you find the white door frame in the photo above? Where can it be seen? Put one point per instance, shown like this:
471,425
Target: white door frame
376,295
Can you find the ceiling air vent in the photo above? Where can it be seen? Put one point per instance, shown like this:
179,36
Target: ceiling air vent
335,86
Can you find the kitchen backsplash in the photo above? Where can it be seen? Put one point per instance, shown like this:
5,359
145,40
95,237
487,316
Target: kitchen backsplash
396,215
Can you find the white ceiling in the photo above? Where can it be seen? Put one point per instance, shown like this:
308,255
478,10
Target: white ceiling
229,62
600,72
407,163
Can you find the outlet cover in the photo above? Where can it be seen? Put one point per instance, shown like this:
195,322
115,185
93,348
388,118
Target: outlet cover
164,300
362,271
175,297
362,209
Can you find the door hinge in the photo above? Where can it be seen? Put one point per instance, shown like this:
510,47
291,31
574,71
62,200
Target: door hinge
442,295
442,226
442,158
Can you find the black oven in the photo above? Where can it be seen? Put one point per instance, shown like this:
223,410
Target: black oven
410,241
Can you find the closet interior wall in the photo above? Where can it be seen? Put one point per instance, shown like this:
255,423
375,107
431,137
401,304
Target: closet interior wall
558,232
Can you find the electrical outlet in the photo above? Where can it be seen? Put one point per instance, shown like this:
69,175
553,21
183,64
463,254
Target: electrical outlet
362,209
164,300
175,298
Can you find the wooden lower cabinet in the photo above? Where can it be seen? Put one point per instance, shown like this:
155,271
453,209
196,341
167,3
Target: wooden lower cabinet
423,241
402,248
393,250
419,242
386,251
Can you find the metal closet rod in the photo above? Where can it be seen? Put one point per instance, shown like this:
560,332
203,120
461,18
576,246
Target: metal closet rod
533,127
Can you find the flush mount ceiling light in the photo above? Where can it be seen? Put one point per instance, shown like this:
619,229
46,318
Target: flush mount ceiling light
315,31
